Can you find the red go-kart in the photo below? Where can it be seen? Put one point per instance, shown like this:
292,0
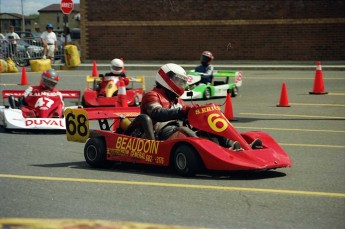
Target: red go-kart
92,97
203,150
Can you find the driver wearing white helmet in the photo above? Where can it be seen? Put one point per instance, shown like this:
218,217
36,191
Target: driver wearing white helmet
162,103
111,80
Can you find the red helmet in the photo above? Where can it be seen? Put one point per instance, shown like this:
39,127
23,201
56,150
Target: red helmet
173,78
206,57
49,78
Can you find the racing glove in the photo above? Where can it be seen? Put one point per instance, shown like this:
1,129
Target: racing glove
126,80
185,109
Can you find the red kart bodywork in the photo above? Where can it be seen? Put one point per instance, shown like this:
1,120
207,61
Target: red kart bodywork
124,148
44,111
91,97
13,118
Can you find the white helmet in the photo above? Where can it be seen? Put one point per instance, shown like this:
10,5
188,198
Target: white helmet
116,66
172,77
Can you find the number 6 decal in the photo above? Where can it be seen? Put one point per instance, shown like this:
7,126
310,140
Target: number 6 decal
77,125
213,123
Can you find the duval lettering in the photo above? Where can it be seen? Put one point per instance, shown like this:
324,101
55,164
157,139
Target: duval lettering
42,122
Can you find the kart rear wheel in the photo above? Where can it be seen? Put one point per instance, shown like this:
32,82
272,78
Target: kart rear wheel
186,161
234,91
207,93
95,152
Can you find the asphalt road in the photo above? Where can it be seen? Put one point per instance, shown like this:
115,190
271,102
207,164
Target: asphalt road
45,176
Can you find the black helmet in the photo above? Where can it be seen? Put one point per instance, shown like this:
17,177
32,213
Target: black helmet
206,57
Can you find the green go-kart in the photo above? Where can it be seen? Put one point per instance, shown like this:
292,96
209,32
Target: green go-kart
223,81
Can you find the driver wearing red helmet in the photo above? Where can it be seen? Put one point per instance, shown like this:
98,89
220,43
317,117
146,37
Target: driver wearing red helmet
205,68
45,96
162,103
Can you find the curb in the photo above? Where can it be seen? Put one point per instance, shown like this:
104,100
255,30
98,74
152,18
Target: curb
104,67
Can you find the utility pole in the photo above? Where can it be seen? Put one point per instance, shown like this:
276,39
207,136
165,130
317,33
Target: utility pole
23,19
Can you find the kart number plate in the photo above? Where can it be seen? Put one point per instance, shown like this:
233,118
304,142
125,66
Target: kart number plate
77,125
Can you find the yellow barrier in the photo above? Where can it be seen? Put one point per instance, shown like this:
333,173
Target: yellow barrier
40,65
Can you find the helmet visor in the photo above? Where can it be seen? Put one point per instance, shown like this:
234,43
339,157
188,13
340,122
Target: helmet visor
179,80
116,68
48,82
205,59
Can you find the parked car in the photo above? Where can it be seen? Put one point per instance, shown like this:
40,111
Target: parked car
30,35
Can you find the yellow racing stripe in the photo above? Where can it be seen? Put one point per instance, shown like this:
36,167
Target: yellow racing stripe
174,185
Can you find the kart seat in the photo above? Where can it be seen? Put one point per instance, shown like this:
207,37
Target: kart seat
216,83
14,102
141,126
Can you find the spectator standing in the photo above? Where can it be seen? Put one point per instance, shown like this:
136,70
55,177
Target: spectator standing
12,38
49,41
65,39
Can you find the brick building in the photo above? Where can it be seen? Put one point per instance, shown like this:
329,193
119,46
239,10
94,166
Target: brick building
52,14
231,29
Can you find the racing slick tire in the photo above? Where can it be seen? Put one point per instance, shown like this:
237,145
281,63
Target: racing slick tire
234,91
207,93
186,161
83,102
95,152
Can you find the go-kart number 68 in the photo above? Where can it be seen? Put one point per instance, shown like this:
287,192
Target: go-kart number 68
77,125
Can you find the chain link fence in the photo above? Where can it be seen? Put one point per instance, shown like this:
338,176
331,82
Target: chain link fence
25,50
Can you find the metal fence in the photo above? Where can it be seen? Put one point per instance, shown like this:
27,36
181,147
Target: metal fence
26,50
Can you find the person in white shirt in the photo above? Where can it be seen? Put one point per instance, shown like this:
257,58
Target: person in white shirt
49,41
2,39
12,38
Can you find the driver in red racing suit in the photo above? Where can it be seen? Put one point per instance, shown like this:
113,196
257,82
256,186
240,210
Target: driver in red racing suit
163,106
43,100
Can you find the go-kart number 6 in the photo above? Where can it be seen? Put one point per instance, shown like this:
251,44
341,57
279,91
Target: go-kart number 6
213,123
77,125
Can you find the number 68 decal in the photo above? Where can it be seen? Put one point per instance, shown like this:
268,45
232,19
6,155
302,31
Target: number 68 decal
213,122
77,125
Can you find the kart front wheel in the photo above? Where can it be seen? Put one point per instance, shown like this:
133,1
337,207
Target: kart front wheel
207,93
83,102
186,161
95,152
234,91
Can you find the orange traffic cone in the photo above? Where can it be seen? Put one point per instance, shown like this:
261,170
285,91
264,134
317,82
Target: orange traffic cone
24,79
94,69
228,108
122,95
284,100
319,88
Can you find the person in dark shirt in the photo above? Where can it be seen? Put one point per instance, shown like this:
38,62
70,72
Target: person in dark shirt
205,68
